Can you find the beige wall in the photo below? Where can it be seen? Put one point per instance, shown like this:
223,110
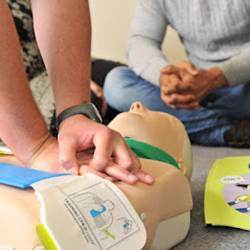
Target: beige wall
110,26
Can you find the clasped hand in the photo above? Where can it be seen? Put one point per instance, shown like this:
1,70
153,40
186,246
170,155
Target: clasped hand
183,86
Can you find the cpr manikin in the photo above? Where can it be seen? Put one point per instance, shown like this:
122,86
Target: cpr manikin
164,207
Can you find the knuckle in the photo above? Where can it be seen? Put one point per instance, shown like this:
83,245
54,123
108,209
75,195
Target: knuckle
107,132
164,98
171,101
168,99
187,79
61,136
174,84
164,90
191,87
190,98
64,138
173,98
137,163
99,164
60,139
171,78
129,163
116,134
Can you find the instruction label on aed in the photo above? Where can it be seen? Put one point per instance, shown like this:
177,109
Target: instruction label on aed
88,212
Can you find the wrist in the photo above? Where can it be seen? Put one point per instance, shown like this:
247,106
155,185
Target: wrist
37,146
218,78
25,148
72,120
41,152
87,110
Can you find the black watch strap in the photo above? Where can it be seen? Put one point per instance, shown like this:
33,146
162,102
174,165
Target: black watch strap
88,109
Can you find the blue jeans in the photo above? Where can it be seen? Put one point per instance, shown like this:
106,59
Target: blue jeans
205,125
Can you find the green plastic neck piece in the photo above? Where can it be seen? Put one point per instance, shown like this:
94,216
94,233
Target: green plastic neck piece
147,151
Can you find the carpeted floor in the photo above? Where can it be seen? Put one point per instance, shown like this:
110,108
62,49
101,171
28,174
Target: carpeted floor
201,236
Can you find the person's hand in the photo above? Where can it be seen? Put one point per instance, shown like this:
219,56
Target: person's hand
98,91
111,170
175,82
46,158
79,134
207,81
189,90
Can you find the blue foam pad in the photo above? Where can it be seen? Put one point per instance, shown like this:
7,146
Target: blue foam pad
21,177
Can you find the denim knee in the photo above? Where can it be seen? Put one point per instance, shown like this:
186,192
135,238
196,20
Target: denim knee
115,88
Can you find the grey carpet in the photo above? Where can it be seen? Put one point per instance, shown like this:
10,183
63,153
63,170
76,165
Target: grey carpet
201,236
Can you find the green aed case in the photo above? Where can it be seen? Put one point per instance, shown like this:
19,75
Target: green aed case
227,193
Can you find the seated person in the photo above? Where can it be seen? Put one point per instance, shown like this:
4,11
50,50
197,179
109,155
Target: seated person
210,93
166,204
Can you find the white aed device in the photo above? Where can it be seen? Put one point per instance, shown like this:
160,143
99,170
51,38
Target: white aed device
87,212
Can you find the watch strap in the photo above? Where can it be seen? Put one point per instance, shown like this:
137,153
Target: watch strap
88,109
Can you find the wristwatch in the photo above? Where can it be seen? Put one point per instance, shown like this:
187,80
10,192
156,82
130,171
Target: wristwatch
88,109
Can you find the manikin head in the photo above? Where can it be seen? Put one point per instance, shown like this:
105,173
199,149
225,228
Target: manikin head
158,129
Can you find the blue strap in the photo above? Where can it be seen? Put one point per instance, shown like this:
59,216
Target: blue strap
21,177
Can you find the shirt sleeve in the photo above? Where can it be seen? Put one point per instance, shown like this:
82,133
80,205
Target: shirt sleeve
147,32
237,68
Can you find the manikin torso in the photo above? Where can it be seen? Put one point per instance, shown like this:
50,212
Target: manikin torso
170,195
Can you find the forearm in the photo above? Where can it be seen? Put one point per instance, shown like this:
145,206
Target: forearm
63,34
146,36
236,69
146,59
21,124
